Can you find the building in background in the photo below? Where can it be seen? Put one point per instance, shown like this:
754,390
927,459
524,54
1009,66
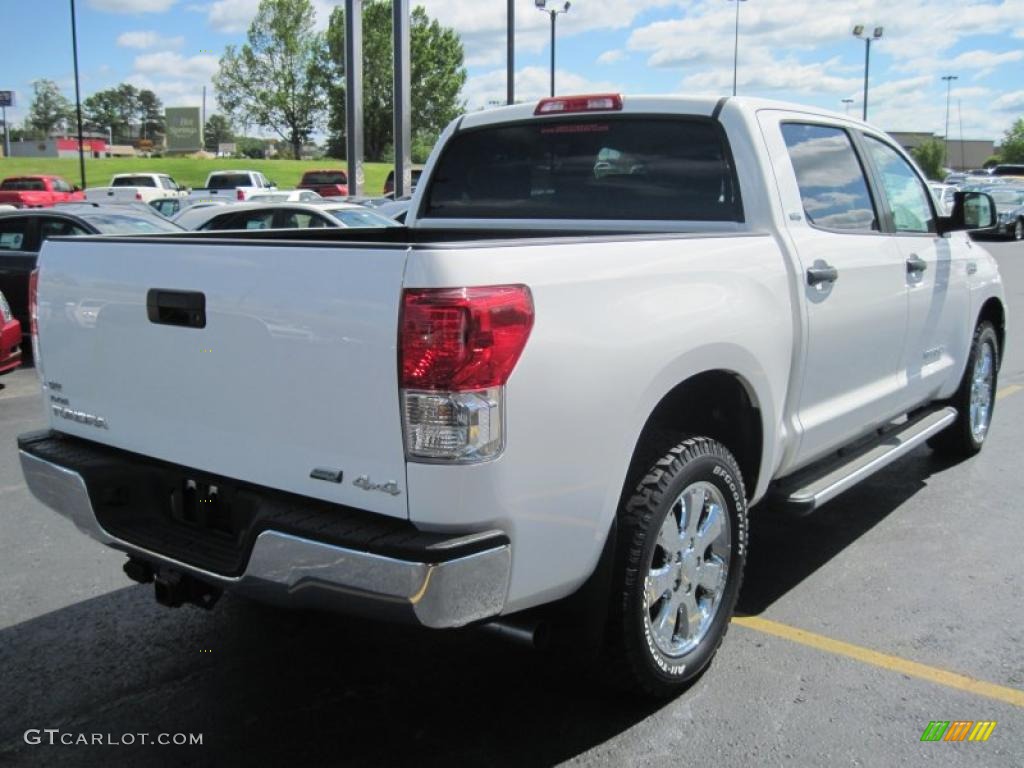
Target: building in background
61,146
963,155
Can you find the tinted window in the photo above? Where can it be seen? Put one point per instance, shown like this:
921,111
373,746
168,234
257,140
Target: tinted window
325,177
904,190
12,234
230,181
302,220
134,181
831,181
1008,170
59,228
59,185
352,217
560,169
121,224
24,185
251,220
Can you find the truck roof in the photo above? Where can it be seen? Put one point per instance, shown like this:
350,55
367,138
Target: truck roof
640,104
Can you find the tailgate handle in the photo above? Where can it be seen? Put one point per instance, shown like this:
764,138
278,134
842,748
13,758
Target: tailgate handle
184,308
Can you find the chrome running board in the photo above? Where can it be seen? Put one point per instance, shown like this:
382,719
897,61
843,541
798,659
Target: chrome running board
808,489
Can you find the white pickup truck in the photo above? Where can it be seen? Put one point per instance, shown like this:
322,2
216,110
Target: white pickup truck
610,326
134,187
232,185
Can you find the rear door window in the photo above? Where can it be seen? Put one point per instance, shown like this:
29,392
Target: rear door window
594,167
833,188
59,228
13,234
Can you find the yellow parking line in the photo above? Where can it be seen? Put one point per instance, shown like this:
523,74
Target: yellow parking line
883,660
1010,389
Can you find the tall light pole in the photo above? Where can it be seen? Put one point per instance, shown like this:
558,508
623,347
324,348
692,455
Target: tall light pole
542,5
78,99
859,32
847,102
945,136
736,46
510,53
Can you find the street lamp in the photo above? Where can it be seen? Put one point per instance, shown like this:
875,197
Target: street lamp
78,98
847,102
859,32
542,6
736,45
945,136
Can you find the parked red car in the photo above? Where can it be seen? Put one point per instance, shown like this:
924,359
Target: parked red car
389,183
37,191
10,339
328,183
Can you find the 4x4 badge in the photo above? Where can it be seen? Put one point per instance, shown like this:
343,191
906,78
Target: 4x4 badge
364,482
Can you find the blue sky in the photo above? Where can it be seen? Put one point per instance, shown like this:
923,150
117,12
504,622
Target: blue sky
798,51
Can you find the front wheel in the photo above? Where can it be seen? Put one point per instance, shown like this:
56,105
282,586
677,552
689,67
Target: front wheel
1018,230
975,400
682,549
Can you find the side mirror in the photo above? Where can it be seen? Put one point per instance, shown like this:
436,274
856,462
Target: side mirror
972,212
76,188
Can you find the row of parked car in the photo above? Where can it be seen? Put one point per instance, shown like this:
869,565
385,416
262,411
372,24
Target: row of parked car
35,208
1004,183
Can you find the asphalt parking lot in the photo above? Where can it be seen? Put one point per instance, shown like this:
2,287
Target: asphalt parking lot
900,603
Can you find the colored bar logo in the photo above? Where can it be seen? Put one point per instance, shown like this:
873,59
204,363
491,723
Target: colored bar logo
958,730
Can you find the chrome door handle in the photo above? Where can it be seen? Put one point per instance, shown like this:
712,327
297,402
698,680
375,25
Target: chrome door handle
822,273
916,265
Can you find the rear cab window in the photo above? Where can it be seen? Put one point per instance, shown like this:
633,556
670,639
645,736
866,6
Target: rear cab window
134,181
13,232
230,181
589,167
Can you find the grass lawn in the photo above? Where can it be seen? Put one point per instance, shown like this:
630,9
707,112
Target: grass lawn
186,171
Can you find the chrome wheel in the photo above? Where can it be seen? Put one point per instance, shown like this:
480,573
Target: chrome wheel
982,384
687,574
1018,230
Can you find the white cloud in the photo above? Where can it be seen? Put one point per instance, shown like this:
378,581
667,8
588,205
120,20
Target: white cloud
178,80
1010,102
612,56
232,16
132,6
148,39
531,83
174,65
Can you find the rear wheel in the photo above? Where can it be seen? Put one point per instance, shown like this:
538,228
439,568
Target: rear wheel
679,567
1018,229
975,400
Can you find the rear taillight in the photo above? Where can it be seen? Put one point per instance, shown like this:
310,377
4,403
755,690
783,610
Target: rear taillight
138,195
457,348
562,105
239,194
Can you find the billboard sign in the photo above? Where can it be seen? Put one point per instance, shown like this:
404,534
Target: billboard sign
184,129
6,98
227,148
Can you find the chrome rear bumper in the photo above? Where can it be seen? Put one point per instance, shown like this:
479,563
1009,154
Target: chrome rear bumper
434,591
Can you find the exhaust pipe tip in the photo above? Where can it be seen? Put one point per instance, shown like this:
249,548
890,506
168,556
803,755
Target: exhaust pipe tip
531,633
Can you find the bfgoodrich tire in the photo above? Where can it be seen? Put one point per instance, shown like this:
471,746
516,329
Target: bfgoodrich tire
678,568
975,400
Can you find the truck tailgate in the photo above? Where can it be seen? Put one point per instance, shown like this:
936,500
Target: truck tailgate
294,369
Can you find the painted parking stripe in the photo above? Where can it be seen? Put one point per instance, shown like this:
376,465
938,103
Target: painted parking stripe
1010,389
883,660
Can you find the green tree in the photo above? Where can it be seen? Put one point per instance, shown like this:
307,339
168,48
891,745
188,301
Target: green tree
49,109
102,111
1012,148
437,76
276,80
218,131
151,115
930,155
127,100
